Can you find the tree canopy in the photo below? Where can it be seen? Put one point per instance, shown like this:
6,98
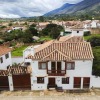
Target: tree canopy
53,30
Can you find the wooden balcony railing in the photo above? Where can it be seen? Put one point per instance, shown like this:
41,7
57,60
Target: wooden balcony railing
56,72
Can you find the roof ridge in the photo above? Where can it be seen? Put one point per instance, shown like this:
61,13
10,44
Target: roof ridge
58,52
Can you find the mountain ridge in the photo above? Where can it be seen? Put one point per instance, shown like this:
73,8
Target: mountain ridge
82,7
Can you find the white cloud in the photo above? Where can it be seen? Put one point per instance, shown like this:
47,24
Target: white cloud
27,8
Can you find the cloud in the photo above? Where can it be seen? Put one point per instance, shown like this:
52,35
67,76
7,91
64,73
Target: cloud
28,8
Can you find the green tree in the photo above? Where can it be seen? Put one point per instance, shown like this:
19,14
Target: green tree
10,24
94,40
32,30
53,30
41,19
96,61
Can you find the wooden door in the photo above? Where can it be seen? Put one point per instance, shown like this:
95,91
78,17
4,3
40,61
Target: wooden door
21,82
51,82
77,82
86,82
4,83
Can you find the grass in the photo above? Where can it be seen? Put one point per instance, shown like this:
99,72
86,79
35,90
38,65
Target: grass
88,37
42,38
18,51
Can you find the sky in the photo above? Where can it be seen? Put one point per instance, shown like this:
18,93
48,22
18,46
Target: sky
29,8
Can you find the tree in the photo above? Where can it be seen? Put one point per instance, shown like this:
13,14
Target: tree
96,61
94,40
41,19
10,24
88,33
53,30
19,36
32,29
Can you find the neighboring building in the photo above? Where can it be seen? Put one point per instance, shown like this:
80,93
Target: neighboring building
5,57
66,64
92,24
74,32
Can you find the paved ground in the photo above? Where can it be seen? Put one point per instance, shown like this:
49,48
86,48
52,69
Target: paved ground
52,98
93,94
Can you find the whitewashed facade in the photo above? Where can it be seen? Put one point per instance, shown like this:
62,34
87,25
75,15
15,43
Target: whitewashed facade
82,70
5,61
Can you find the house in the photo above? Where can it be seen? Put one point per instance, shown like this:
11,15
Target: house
92,24
5,57
65,63
57,63
74,31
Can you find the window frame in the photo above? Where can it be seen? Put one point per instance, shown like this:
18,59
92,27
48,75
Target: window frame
40,65
1,60
72,66
65,80
40,80
7,55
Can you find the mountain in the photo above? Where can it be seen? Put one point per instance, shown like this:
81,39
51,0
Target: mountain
85,6
57,11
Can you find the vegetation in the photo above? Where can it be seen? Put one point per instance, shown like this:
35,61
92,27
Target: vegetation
96,63
52,30
18,51
45,38
88,33
18,35
94,40
32,30
95,43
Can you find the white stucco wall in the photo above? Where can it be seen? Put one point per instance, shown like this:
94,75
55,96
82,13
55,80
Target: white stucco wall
11,88
17,60
6,62
95,82
93,24
82,69
77,33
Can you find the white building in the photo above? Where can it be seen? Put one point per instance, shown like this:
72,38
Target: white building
5,57
92,24
66,64
74,32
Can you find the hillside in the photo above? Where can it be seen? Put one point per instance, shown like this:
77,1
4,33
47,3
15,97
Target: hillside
85,6
57,11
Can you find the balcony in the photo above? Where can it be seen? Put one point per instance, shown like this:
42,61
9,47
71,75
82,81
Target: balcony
56,72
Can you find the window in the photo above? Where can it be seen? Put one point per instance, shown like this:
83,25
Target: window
7,56
77,31
27,63
1,60
70,65
42,65
40,79
65,80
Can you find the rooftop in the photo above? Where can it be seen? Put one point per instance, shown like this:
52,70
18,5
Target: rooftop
4,50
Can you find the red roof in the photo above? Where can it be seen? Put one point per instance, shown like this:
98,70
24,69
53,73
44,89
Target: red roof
4,50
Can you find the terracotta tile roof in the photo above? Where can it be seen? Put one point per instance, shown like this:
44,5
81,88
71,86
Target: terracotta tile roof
4,73
71,39
14,70
64,51
17,70
42,46
4,50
